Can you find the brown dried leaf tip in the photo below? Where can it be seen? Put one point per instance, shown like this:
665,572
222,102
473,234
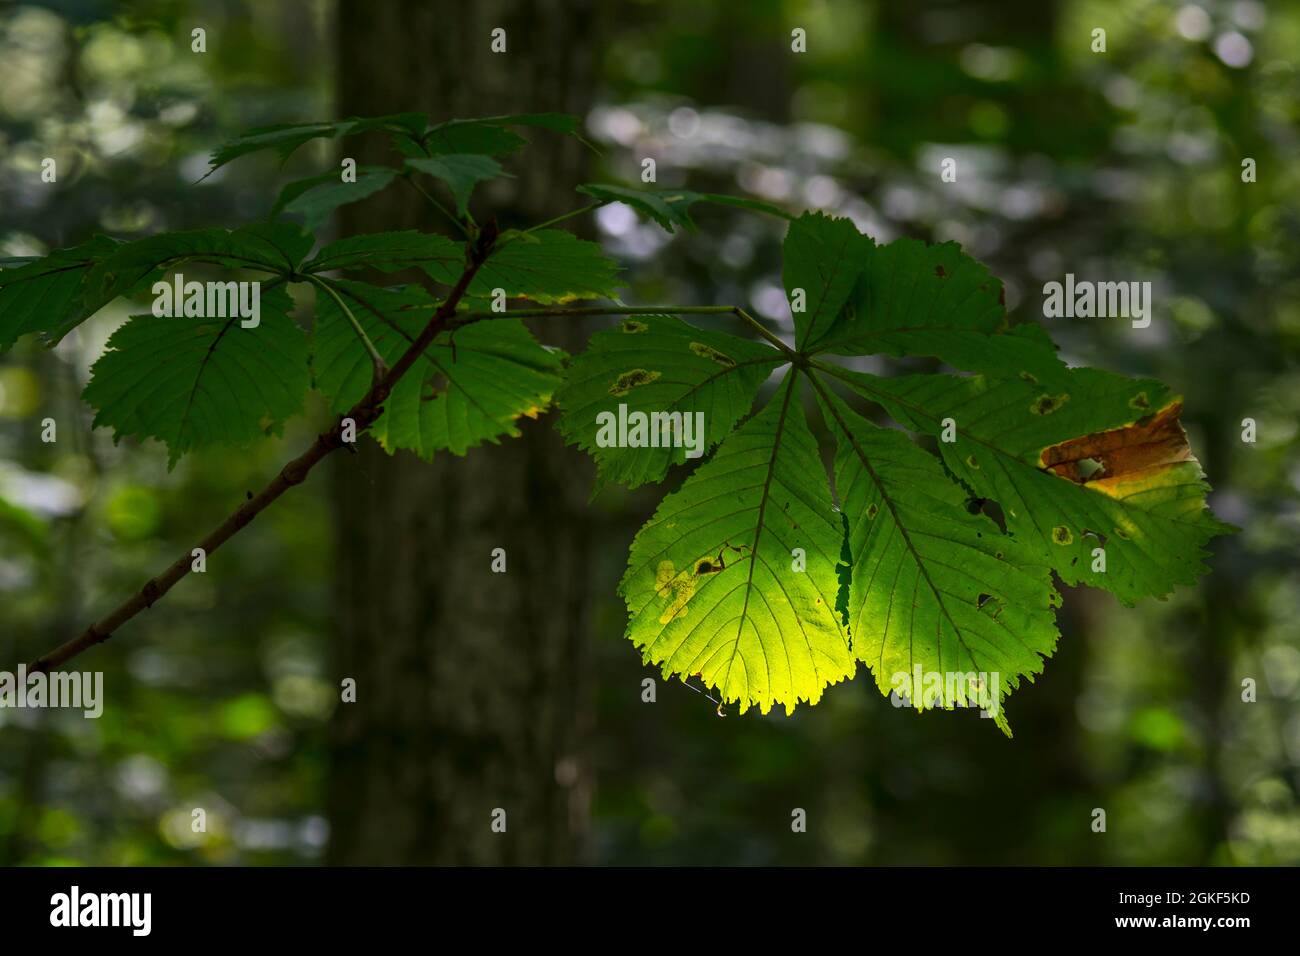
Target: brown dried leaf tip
1121,461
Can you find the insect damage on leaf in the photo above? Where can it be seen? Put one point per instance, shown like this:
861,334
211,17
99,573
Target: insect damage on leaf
1046,404
631,379
1122,461
712,354
675,587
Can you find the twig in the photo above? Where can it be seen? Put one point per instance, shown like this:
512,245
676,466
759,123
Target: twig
363,414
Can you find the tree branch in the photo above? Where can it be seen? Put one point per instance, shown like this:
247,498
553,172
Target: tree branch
363,413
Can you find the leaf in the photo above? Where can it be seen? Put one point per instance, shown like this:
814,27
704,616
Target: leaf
823,259
461,172
466,136
912,299
285,138
315,199
193,382
671,207
547,266
390,252
489,135
1022,445
943,606
47,295
471,386
683,371
710,587
275,248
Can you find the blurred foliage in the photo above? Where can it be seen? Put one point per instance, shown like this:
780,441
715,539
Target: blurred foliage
1122,165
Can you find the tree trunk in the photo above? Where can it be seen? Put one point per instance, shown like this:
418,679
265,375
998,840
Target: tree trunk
470,684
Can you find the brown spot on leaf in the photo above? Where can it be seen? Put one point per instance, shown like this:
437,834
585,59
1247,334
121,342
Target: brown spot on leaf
1046,404
939,271
677,588
1132,458
712,354
1140,401
632,326
1061,535
631,379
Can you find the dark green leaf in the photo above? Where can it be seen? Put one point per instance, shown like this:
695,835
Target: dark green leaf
461,172
193,382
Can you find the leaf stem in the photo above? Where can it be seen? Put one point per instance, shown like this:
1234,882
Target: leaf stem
564,216
376,360
433,200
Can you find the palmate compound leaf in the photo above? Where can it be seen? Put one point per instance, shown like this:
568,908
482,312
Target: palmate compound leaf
675,375
1095,461
471,386
1065,453
714,586
944,608
192,382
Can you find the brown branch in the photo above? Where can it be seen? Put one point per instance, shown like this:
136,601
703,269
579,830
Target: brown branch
363,413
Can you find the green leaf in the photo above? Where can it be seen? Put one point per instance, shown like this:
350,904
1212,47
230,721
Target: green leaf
671,207
390,252
392,318
912,299
823,259
285,138
461,172
547,266
470,386
1035,450
192,382
711,586
276,247
315,199
944,608
659,364
466,136
47,295
489,136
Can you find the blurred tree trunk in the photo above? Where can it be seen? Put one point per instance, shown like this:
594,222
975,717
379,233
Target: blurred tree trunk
471,685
